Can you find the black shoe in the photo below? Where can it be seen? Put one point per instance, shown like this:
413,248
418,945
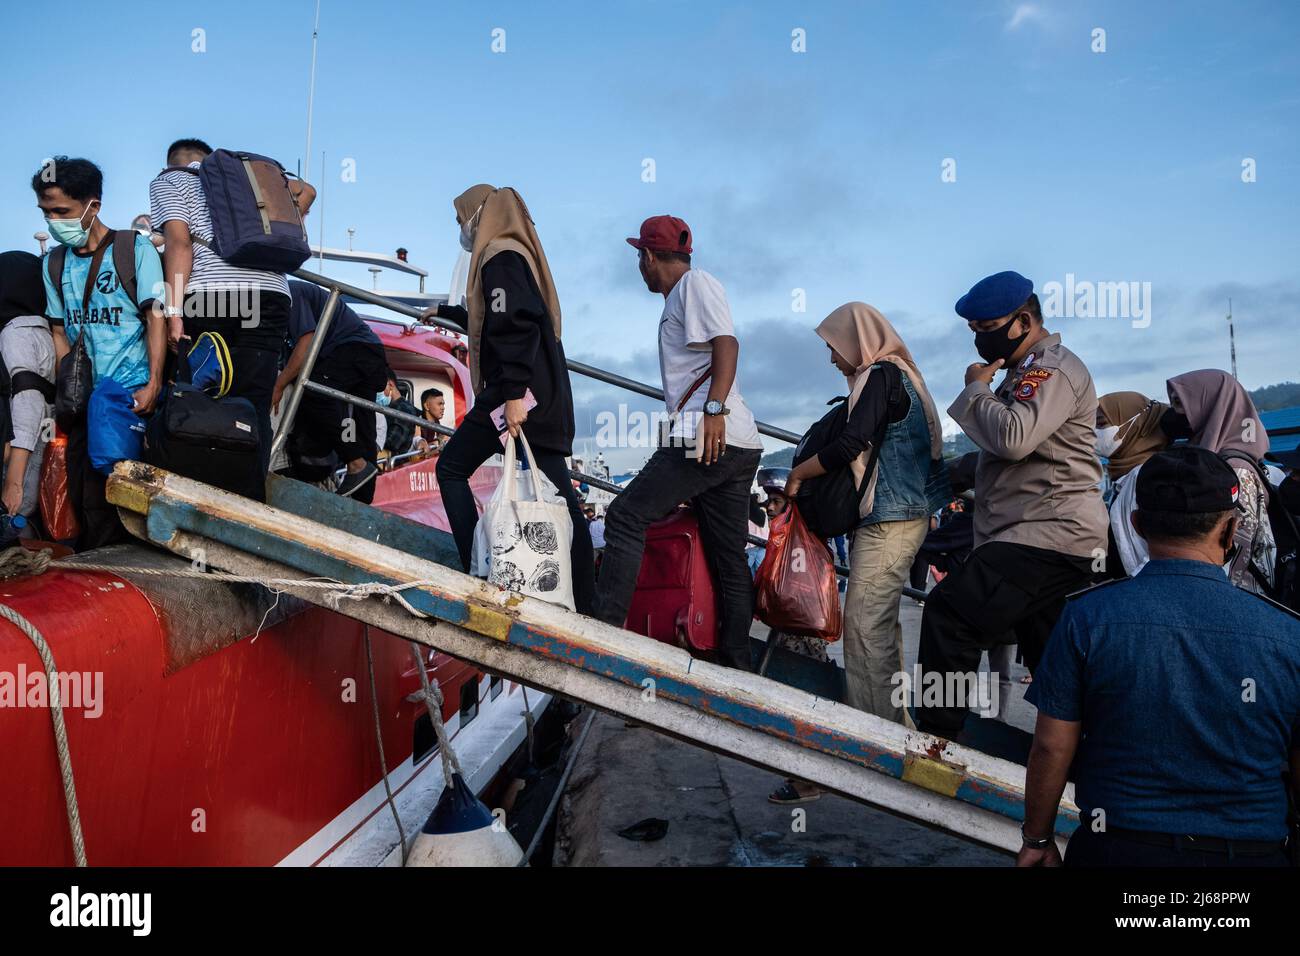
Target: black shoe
360,485
741,661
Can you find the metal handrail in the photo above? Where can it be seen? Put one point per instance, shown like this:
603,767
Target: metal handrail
337,289
581,368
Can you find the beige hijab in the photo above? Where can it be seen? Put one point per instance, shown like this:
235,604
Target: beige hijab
504,224
865,337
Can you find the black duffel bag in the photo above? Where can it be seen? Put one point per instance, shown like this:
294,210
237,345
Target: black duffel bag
830,503
213,440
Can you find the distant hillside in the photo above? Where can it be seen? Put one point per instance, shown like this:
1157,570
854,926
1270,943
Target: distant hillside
778,459
1270,397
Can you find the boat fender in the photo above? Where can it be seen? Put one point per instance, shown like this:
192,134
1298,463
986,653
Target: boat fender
461,831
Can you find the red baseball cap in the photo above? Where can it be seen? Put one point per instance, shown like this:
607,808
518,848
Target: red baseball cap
663,234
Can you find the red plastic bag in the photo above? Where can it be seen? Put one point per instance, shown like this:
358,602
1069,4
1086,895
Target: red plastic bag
56,504
797,589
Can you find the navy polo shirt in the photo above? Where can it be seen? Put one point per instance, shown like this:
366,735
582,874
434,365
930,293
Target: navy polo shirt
1188,690
308,303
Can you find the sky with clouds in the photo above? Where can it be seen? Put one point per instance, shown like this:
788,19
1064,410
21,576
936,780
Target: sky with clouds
821,171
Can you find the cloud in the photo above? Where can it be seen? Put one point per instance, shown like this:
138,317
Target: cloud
1026,13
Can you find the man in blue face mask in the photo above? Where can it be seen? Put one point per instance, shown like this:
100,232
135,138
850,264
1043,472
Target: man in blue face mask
104,285
1039,522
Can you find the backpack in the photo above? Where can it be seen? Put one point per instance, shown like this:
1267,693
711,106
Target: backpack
1285,588
123,241
76,376
830,503
256,223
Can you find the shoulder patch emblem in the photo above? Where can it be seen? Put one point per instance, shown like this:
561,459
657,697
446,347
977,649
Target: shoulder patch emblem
1029,382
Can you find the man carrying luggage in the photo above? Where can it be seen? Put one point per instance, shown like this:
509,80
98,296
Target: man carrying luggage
1039,521
352,360
709,450
249,308
1175,696
102,284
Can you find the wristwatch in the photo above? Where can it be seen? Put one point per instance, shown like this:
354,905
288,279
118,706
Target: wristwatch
1032,843
715,407
173,312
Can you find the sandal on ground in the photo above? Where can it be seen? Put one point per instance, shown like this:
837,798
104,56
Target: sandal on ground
789,793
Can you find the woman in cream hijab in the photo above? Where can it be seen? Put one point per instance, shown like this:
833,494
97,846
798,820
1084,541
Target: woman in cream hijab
515,359
908,484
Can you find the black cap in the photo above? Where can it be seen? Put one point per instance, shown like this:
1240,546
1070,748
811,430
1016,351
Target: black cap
1186,479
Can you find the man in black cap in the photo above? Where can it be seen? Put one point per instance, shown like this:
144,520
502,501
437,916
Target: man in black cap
1179,692
1039,522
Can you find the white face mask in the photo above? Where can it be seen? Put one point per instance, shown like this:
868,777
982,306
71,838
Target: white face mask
1108,440
467,230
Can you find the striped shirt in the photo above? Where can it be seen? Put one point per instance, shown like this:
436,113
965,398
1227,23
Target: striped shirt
179,196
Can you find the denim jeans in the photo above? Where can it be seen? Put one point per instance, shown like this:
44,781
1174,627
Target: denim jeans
473,443
719,493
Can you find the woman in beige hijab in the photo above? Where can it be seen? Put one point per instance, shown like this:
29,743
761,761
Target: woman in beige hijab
512,315
907,485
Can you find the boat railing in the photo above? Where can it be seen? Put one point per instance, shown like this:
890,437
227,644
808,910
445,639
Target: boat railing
337,290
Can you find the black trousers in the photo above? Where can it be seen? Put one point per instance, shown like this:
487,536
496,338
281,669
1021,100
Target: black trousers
100,524
1089,849
1003,594
254,325
919,575
719,493
473,443
360,369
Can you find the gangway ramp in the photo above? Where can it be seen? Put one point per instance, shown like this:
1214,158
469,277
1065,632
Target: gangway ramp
299,533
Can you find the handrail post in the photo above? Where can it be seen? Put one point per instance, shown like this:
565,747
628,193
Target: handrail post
308,366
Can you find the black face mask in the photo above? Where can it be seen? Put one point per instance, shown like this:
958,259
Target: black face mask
1175,425
998,343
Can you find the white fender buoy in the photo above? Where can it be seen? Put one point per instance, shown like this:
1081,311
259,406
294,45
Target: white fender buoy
461,831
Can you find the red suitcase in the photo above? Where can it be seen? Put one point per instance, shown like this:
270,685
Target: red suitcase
675,600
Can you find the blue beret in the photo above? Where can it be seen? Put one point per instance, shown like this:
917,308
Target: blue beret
994,297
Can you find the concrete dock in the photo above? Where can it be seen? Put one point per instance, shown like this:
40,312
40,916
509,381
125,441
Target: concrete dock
638,798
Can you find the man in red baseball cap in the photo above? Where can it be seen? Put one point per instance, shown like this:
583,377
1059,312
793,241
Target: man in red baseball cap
708,448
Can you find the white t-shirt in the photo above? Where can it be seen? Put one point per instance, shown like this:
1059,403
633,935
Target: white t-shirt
695,313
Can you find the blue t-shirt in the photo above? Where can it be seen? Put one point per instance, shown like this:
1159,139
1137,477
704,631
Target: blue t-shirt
1188,690
117,342
308,303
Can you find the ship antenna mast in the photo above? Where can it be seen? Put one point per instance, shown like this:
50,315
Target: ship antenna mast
311,92
1232,340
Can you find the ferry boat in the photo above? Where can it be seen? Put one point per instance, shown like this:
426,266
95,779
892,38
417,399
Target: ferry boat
214,724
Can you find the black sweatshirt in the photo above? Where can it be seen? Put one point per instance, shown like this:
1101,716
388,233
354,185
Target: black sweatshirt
868,416
519,351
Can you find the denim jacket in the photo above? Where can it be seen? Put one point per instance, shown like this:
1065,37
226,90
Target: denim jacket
909,484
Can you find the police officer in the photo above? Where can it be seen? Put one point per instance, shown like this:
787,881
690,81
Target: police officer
1039,522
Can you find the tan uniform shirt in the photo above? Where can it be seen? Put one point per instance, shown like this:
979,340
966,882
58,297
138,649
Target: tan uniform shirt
1038,478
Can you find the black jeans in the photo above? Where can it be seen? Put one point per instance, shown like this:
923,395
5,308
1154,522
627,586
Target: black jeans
473,443
99,521
1088,848
254,325
1003,594
360,369
719,493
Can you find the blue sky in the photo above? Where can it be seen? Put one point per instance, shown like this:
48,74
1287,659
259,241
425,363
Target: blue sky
818,170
